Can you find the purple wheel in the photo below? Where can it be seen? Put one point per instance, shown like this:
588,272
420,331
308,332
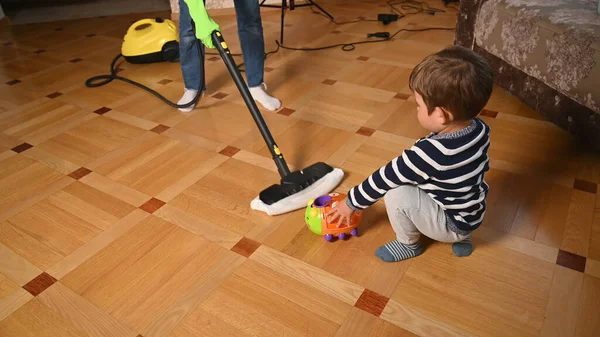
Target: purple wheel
354,232
328,237
342,236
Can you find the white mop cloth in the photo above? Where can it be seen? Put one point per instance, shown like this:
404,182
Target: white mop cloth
299,200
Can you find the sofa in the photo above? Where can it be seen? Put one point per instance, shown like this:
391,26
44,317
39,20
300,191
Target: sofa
545,52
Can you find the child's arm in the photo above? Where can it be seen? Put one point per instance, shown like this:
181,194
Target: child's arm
411,167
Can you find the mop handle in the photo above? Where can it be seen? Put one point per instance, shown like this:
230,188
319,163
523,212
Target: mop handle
221,45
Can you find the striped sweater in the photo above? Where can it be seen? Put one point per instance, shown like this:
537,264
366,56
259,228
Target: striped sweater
448,167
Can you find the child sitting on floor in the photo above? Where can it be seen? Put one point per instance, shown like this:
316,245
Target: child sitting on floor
437,187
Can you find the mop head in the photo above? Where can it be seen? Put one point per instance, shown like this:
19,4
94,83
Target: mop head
299,199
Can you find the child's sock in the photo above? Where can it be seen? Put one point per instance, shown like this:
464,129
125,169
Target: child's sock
188,95
463,248
260,95
395,251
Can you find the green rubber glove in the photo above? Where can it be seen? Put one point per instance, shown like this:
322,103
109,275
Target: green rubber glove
204,23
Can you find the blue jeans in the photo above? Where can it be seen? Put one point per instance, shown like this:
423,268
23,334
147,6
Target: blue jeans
250,32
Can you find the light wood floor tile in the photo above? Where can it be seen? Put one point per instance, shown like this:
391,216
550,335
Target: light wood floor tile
91,140
194,140
44,121
6,154
592,267
587,325
62,76
314,301
209,230
122,192
34,319
199,278
375,75
439,297
357,323
147,107
62,233
17,268
417,322
552,226
8,142
578,227
516,243
202,323
312,276
563,303
237,297
118,256
594,252
131,120
12,297
224,122
56,163
192,177
162,164
81,314
88,250
22,176
57,226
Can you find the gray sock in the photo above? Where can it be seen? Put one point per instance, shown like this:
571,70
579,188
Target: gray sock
395,251
463,248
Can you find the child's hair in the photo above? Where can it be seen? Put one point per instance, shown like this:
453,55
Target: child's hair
455,79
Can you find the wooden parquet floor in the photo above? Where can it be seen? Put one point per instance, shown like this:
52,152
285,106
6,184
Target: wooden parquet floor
121,216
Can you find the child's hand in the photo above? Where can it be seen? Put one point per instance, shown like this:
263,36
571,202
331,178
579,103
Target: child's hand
341,211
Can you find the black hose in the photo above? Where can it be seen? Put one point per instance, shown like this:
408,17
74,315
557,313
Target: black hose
101,80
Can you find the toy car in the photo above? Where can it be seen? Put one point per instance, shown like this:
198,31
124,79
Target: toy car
151,40
319,224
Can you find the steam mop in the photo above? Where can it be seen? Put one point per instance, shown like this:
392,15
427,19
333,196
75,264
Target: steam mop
295,188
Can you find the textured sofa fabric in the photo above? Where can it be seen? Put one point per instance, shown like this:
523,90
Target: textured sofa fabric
546,52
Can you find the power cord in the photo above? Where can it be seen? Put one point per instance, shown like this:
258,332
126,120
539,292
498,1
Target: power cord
417,6
414,7
352,45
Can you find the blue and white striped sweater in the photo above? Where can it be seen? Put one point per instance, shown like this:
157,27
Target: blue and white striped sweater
449,167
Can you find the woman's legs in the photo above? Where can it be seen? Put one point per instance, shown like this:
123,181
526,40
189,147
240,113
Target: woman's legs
251,36
189,58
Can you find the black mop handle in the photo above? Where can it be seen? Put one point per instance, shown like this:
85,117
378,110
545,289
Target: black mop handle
221,46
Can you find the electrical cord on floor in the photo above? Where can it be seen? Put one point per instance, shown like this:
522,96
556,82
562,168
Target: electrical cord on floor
349,46
414,7
101,80
417,6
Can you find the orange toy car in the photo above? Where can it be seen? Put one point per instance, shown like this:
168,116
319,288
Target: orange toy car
318,223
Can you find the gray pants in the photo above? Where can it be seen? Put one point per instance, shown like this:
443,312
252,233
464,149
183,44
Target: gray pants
413,212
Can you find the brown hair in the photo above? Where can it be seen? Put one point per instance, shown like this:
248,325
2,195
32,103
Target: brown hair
455,79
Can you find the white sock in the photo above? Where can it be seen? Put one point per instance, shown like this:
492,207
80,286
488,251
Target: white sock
188,96
269,102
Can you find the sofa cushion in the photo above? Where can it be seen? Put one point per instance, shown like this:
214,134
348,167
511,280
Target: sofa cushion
555,41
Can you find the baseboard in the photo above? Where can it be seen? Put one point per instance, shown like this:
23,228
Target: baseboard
5,21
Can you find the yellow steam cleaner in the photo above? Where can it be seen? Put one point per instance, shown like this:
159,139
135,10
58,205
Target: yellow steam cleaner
151,40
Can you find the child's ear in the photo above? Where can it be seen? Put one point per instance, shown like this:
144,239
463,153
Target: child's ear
444,116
